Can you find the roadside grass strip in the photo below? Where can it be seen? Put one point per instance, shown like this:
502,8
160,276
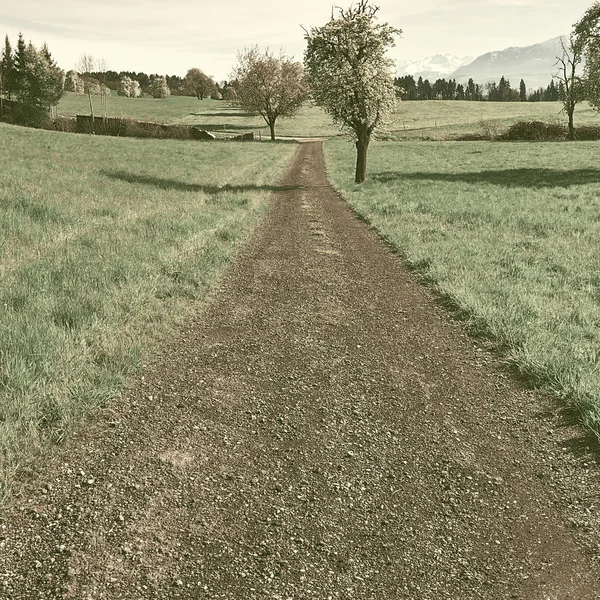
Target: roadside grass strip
105,244
509,235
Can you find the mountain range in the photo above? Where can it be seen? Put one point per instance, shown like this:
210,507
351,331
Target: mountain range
534,64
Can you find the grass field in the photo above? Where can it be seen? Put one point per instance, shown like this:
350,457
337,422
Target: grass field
446,119
432,120
104,245
509,235
213,115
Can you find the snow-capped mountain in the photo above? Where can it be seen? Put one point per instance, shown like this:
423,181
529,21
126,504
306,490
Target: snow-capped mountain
433,67
534,64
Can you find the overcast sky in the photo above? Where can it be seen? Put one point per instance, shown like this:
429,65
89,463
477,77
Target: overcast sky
169,37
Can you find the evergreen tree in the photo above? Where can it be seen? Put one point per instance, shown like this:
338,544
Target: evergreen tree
407,86
460,92
20,63
522,92
41,81
427,91
470,91
7,71
504,90
420,91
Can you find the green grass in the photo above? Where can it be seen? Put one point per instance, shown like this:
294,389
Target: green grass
105,244
509,236
431,120
213,115
446,119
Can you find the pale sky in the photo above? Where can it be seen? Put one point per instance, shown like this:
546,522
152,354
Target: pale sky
169,37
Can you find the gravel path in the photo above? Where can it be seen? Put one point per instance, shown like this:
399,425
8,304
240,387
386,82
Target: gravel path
320,430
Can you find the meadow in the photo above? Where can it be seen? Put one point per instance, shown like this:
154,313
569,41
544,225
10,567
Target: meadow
507,233
428,120
213,115
105,245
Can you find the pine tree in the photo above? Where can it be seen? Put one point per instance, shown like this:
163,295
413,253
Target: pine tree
20,65
470,91
7,71
522,92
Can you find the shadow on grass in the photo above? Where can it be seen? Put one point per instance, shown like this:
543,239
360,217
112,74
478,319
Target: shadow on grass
526,178
234,113
224,127
182,186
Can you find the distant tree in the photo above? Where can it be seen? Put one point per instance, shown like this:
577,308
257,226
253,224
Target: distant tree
470,90
7,71
424,89
350,75
197,83
439,89
407,87
41,82
129,87
230,95
572,85
159,88
74,83
504,90
91,86
493,95
175,84
268,85
451,89
460,92
522,91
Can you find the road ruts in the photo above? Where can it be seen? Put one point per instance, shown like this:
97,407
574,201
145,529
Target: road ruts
320,430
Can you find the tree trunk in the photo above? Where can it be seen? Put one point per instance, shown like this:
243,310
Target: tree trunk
362,147
272,128
571,127
92,111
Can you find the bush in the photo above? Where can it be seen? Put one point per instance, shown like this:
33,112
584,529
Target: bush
535,131
67,124
587,133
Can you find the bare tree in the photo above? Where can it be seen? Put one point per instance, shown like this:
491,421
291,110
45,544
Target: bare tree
268,85
572,56
101,68
85,67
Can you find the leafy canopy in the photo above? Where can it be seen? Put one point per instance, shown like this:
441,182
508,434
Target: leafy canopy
271,86
586,40
348,71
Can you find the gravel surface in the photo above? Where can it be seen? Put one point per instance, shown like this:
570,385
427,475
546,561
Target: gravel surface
321,429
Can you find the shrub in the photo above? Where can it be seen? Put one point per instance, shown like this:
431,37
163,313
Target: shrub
535,131
587,133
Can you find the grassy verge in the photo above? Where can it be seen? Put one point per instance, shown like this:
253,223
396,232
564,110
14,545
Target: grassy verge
104,245
508,234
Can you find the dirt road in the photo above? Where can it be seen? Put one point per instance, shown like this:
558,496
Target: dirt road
321,430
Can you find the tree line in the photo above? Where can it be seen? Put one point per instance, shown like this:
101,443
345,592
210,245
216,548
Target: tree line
447,89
